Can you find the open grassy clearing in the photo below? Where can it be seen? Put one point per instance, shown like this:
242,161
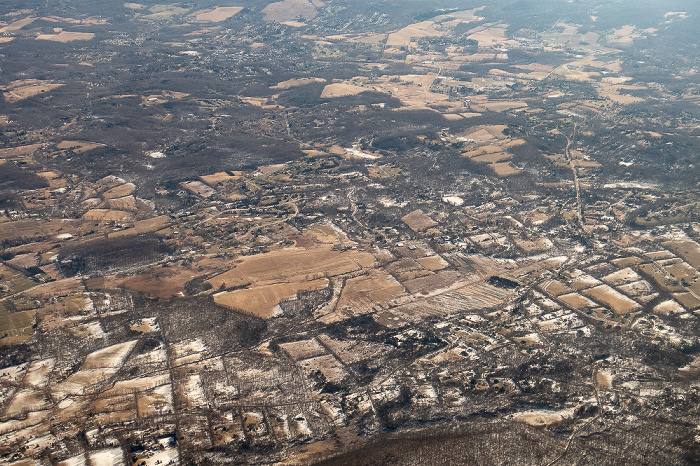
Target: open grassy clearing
436,27
294,24
581,280
492,158
23,261
567,35
432,283
413,90
483,133
628,261
406,269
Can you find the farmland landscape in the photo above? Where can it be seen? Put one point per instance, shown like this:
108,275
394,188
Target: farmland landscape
338,232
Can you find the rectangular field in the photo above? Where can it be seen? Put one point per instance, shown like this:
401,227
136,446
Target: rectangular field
262,301
218,14
291,266
615,300
688,250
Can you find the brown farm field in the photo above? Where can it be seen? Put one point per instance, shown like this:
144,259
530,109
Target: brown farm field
688,301
503,169
502,106
492,158
63,287
19,151
418,221
25,88
289,10
66,36
12,281
607,295
105,215
341,90
144,226
290,83
363,294
613,93
577,301
220,177
163,282
218,14
688,250
303,349
119,191
404,36
127,203
680,270
291,266
262,301
431,283
660,278
555,287
16,327
78,146
490,36
34,228
433,263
